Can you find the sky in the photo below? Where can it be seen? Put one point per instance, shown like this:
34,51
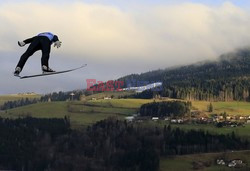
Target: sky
116,37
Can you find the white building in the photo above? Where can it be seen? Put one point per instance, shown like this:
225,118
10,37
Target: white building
220,162
130,118
155,118
173,121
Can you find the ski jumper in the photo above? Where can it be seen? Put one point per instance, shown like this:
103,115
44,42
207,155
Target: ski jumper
41,42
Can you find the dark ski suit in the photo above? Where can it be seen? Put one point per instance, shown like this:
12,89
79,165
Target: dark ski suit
42,42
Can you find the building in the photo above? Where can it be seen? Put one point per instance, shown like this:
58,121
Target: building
173,121
130,118
235,162
180,120
155,118
220,162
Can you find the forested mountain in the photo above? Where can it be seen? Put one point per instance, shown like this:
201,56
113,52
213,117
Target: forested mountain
225,79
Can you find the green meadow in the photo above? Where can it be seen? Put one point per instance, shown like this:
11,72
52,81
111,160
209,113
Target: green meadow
83,113
242,131
232,108
121,103
113,94
89,111
80,113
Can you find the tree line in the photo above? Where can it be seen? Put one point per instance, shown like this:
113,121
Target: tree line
166,108
110,144
62,96
18,103
55,96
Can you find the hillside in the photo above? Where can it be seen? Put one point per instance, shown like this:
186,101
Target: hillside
89,112
80,113
225,79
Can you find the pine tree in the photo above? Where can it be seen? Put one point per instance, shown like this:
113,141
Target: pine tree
210,107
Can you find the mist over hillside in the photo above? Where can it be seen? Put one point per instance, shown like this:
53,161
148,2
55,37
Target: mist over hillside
224,79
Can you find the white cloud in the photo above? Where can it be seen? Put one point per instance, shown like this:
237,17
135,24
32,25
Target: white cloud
92,30
106,32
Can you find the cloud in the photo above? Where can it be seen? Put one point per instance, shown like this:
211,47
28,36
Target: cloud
194,32
123,41
91,30
105,33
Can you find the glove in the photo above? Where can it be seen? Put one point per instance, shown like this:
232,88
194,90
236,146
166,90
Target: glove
21,43
57,44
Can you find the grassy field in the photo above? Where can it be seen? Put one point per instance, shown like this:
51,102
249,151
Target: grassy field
240,131
114,94
80,113
120,103
58,110
5,98
101,109
113,107
232,108
181,163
